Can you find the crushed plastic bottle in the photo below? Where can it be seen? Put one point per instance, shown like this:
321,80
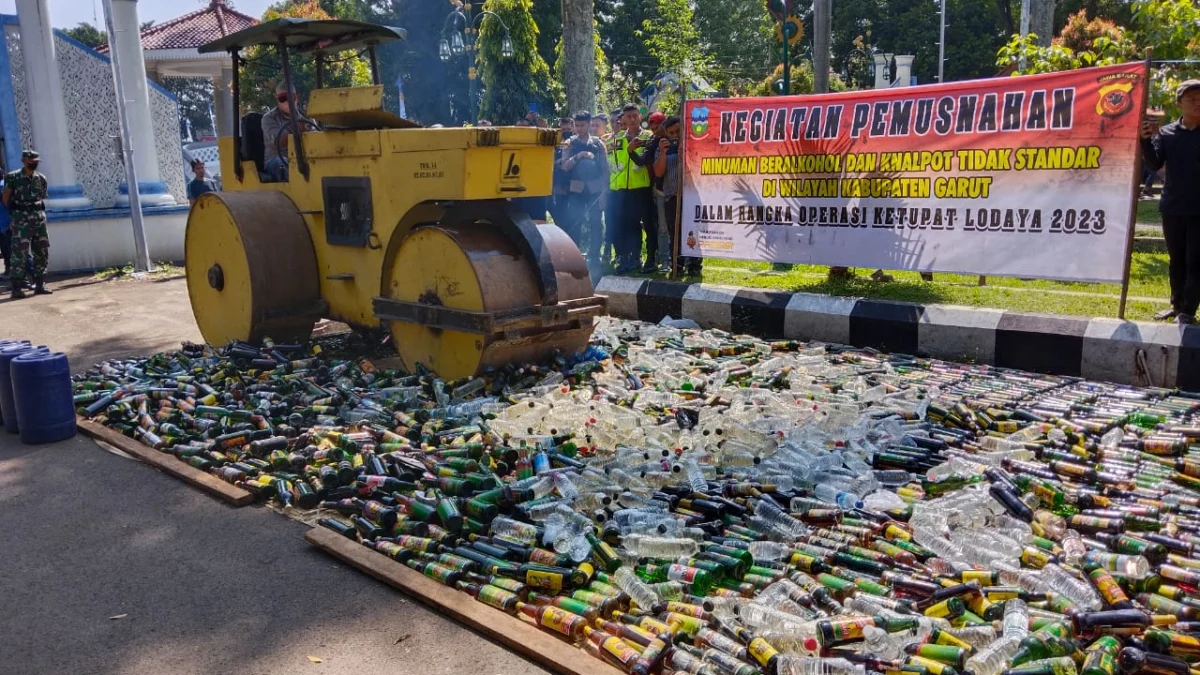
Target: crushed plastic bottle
771,507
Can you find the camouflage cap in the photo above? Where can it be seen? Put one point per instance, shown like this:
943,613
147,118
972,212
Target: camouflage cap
30,154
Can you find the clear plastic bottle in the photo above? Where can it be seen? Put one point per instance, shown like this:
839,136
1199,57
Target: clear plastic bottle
638,590
1073,547
695,477
660,547
761,617
514,531
878,642
766,509
1078,591
565,486
769,550
994,658
1016,619
791,664
976,636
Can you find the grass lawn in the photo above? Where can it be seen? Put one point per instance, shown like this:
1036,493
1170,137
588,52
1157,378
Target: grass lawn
1148,290
1147,212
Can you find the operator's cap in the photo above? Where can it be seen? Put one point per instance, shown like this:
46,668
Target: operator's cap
1185,87
657,118
33,154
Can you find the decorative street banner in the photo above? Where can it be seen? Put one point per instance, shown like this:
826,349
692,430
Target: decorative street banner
1016,176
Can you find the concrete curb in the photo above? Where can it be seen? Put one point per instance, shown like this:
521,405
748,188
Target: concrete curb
1128,352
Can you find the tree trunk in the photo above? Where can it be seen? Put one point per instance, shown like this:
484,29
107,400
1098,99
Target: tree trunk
579,54
1041,20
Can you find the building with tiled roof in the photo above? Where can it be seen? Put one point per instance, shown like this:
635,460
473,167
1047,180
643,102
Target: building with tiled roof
169,49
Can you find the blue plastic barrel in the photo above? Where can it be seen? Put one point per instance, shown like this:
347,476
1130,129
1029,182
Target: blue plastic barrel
8,408
4,344
41,382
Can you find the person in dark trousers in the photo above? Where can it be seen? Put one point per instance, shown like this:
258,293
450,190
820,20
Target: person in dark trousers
1176,146
586,164
631,178
558,200
666,170
25,192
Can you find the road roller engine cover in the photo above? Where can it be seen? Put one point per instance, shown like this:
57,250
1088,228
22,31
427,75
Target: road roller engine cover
383,224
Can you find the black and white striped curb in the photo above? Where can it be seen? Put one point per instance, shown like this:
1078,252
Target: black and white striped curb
1129,352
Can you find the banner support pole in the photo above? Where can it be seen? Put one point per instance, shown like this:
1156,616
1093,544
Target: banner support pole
677,225
1137,179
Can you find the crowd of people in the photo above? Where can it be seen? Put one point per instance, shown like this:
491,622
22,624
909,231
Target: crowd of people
616,188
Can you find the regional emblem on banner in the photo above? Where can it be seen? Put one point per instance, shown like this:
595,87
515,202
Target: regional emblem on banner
699,122
1116,94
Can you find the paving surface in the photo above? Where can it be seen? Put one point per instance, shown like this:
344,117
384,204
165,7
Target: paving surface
92,320
205,588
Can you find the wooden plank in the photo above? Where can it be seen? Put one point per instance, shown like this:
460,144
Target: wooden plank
167,463
530,642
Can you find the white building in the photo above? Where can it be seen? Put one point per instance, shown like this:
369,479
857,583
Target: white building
58,97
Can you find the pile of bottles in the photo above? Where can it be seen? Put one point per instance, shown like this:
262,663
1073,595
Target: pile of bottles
693,501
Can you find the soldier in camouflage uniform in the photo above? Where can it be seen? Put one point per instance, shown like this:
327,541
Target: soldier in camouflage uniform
24,193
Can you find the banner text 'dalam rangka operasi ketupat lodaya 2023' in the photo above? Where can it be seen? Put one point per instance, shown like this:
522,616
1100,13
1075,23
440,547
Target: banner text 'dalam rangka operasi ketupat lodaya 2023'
1019,176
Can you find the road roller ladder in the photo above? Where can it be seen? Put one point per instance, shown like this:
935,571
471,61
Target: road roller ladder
384,224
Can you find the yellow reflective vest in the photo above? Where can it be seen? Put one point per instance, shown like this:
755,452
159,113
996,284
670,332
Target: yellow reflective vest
625,174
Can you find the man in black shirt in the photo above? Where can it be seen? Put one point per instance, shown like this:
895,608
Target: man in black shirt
1177,147
586,165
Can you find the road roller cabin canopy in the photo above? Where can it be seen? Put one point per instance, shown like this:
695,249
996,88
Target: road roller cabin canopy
307,35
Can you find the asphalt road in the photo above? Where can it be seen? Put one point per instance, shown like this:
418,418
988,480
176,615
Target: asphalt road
203,588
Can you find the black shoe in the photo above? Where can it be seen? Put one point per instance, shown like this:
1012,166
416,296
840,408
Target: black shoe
649,267
1184,319
17,293
39,288
1166,315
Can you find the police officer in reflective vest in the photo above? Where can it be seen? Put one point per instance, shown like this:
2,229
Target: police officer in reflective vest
25,191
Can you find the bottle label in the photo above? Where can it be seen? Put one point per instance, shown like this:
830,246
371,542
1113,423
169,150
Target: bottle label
620,651
803,562
590,597
1108,586
762,651
682,573
440,573
849,629
543,557
546,580
496,597
560,620
684,608
982,576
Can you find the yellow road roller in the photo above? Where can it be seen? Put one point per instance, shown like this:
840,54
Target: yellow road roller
380,223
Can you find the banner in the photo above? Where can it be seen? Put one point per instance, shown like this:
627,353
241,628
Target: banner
1014,176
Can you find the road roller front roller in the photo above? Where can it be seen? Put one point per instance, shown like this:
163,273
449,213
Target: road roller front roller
378,223
251,268
485,289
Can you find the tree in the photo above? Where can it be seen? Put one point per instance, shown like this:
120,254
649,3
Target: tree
1084,43
740,37
618,21
87,34
800,79
547,14
579,55
674,41
194,96
1041,19
435,91
512,84
1170,27
262,69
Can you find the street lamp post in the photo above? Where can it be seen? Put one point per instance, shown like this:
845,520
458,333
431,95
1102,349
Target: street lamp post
455,45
